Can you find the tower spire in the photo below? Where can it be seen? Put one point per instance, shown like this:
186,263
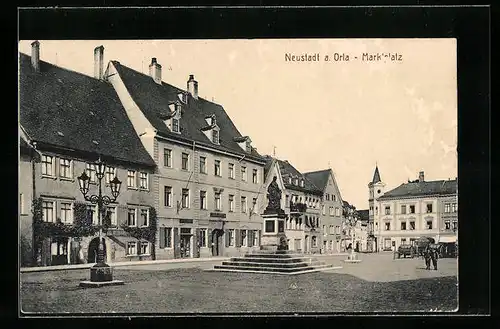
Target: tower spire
376,176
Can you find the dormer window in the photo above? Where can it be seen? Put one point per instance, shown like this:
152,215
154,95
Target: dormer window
296,182
172,118
182,97
290,180
302,183
211,130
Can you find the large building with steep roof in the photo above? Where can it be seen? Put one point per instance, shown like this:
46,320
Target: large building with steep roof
68,120
209,189
417,209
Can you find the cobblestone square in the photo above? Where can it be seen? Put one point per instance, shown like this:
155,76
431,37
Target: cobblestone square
377,284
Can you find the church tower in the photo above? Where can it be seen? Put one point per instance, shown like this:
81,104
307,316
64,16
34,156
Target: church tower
376,189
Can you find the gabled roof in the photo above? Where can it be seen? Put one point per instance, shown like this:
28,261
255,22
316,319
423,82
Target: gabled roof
153,99
69,110
425,188
319,178
376,176
287,170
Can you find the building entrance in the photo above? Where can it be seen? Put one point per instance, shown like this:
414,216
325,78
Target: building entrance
216,242
185,243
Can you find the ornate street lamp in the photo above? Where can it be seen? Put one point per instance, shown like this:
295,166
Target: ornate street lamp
100,273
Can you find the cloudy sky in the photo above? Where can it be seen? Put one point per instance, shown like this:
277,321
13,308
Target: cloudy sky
347,115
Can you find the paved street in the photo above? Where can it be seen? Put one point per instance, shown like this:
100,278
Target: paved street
377,284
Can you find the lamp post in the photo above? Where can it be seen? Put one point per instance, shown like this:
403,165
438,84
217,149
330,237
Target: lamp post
100,273
351,221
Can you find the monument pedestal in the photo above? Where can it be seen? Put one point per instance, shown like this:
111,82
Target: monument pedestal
273,230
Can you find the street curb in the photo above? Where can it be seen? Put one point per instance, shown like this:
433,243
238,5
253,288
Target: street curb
118,264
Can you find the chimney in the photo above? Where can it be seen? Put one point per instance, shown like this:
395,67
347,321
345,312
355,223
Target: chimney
420,176
192,86
155,71
35,56
98,62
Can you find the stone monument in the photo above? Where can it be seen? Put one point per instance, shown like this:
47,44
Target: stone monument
273,233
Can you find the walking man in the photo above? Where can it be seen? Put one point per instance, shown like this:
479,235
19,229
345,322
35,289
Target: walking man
434,257
427,257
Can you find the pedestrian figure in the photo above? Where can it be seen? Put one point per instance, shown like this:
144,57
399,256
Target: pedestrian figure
427,257
434,257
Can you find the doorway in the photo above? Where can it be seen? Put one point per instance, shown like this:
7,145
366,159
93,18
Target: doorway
92,251
216,242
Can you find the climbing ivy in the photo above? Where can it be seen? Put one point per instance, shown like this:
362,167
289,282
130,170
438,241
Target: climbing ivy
145,233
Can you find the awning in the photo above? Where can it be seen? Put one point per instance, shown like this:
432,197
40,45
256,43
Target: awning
448,239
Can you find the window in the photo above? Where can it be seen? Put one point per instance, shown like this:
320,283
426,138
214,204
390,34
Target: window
454,207
412,209
231,203
314,241
203,165
168,237
131,181
447,207
403,226
66,213
243,236
202,239
230,236
254,205
47,165
167,196
167,158
144,248
185,161
92,213
376,210
254,176
403,210
217,168
302,183
324,230
429,207
110,174
244,174
215,136
412,225
230,168
131,248
403,241
65,168
327,197
289,180
144,217
203,200
255,238
287,200
323,210
387,210
175,125
429,224
143,180
131,218
218,201
334,197
455,225
244,204
447,225
331,211
21,203
337,211
296,181
90,169
387,226
111,211
185,198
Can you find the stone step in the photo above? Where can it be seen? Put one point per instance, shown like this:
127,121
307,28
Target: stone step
274,265
268,255
272,269
277,273
267,259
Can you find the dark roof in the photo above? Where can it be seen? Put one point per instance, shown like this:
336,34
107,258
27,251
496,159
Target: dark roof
153,99
287,170
319,178
69,110
376,176
363,214
437,187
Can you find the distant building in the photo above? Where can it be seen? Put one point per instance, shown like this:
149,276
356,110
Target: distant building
301,201
416,209
331,209
376,188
